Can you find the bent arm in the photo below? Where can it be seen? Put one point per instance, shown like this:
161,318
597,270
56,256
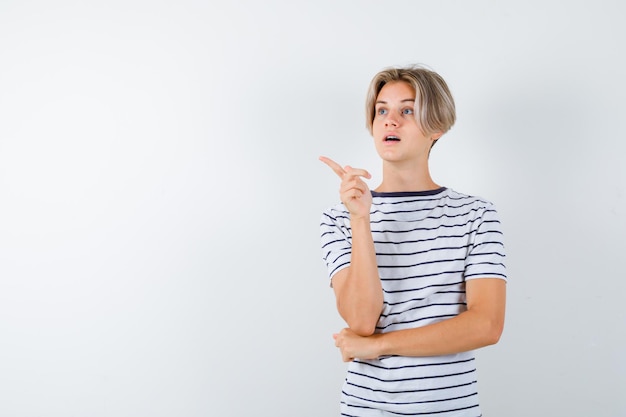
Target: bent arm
358,290
480,325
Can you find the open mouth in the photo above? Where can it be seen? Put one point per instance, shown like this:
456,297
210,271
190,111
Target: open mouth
392,138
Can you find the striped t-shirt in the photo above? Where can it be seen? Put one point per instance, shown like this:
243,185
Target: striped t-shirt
427,245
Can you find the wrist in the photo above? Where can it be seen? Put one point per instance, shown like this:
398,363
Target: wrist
379,344
362,220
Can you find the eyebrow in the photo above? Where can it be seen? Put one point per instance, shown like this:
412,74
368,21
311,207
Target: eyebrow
401,101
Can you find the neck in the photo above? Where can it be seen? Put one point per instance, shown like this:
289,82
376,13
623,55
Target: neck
414,177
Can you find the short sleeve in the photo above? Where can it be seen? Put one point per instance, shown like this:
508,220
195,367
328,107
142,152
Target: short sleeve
336,240
486,254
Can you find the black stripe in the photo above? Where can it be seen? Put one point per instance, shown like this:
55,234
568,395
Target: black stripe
420,365
416,289
412,379
423,263
413,402
424,251
442,316
408,391
422,307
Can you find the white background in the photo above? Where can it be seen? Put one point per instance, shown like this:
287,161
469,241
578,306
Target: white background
160,196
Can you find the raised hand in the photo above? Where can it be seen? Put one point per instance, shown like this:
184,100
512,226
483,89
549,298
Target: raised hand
353,191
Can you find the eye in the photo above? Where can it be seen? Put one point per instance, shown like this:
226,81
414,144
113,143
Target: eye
381,111
407,111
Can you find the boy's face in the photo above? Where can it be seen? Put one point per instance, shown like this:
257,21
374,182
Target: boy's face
398,136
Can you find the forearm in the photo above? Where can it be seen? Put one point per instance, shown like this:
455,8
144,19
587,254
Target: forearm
480,325
359,294
468,331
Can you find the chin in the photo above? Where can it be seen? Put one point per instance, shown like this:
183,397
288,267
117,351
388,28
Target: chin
390,157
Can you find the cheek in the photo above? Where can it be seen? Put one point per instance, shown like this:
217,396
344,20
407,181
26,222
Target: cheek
376,126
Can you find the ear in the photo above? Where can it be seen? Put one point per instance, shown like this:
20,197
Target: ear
435,136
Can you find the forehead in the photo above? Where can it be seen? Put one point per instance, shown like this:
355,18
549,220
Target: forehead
396,91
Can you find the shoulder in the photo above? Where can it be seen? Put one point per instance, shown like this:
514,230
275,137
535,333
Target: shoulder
337,212
335,219
475,201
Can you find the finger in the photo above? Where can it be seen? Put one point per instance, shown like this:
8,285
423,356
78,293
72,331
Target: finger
351,195
357,194
357,172
333,165
349,187
350,181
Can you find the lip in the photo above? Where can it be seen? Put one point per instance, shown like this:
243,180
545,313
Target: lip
384,139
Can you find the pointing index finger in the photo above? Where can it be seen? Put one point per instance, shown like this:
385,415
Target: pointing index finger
333,165
357,171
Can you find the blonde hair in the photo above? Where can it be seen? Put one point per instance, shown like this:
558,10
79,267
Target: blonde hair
435,110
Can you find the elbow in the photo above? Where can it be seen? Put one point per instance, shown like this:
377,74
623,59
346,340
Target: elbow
361,321
361,324
493,332
363,328
492,338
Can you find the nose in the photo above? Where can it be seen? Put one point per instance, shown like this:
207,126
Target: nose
391,120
